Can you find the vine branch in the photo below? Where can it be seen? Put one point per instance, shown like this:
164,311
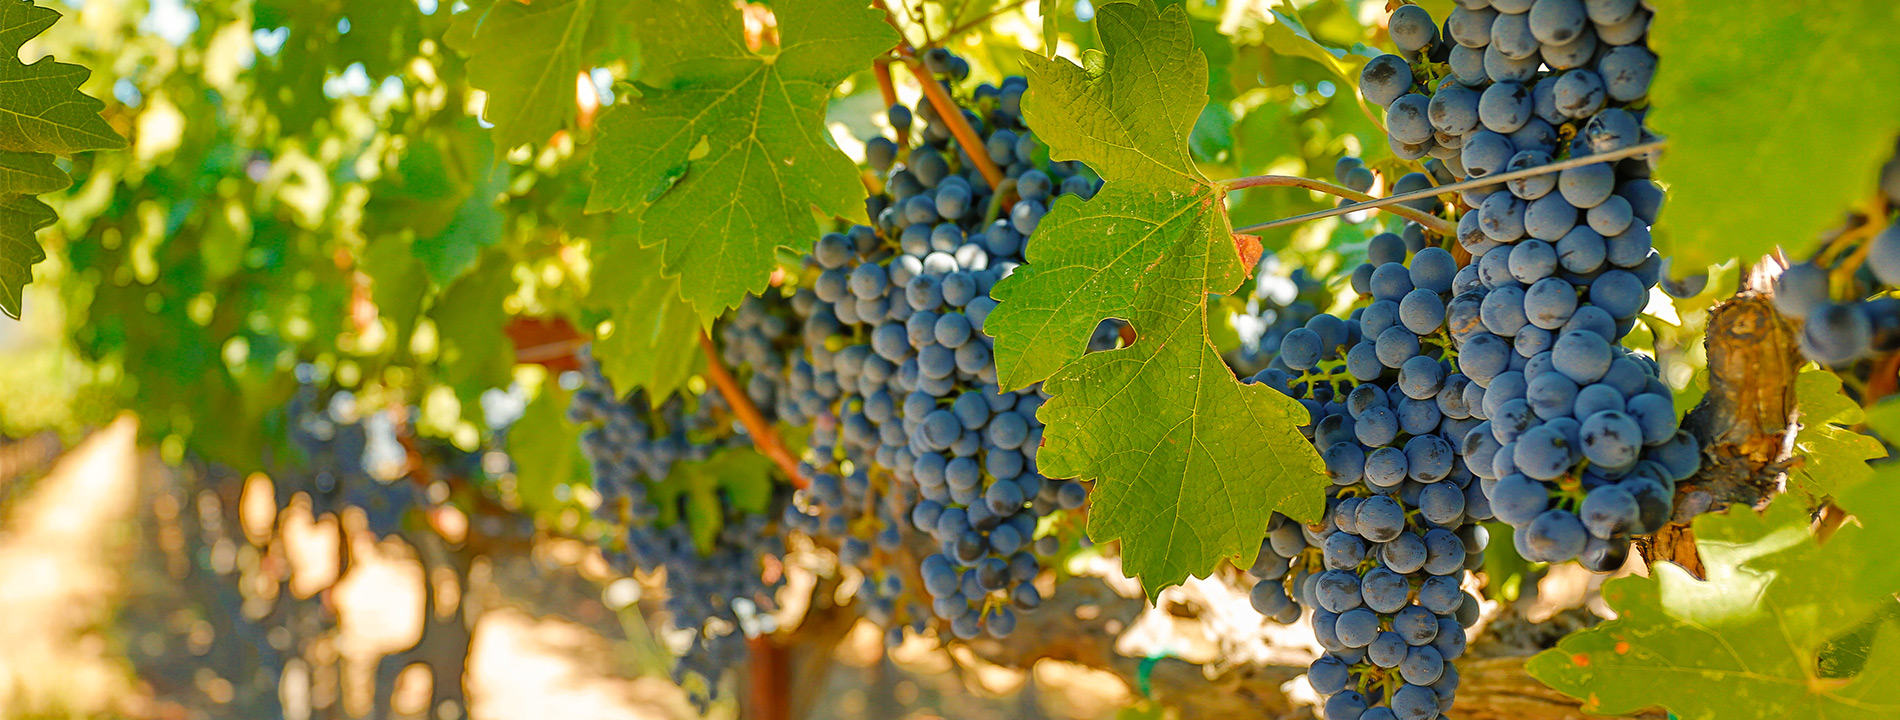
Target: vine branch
764,437
1431,222
953,117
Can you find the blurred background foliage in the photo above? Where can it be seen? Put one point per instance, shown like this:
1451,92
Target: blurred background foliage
384,199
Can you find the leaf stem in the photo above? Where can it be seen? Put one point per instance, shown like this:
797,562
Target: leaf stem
1431,222
1473,183
764,437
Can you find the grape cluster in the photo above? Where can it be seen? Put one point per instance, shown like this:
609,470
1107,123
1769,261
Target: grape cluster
1837,333
631,447
350,459
1578,448
1382,570
910,429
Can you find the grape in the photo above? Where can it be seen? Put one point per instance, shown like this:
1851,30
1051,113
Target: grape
1573,54
1611,130
1836,333
1554,536
1611,216
1411,28
1467,64
1801,289
1433,269
1549,217
1511,37
1471,27
1556,22
1608,12
1626,72
1501,216
1533,187
1384,79
1486,152
1422,311
1587,186
1505,106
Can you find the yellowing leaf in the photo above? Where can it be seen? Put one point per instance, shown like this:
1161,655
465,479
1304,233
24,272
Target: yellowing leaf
725,158
1189,464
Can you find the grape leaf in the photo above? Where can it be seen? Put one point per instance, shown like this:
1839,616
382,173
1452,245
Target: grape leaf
42,114
526,57
1189,464
398,282
476,353
739,474
1286,35
724,159
1719,70
1748,642
1833,457
545,447
654,341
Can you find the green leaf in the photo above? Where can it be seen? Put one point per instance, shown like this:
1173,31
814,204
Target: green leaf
654,343
725,158
1747,643
42,114
1189,464
398,282
1833,457
1741,183
544,445
476,353
20,217
739,476
526,57
1286,35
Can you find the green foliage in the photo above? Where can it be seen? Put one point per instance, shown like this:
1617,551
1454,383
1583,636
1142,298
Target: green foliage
1833,456
724,159
546,449
1750,641
42,114
475,351
1741,181
526,57
741,475
654,343
1189,464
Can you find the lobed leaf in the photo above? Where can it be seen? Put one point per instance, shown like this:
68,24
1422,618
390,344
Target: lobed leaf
1188,463
724,160
42,114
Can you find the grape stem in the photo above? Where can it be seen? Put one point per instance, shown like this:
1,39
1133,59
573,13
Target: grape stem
1431,222
953,116
882,69
764,437
946,108
1473,183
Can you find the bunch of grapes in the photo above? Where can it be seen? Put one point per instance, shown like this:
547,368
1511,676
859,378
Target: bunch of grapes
1837,333
350,459
1382,569
912,437
1579,447
715,592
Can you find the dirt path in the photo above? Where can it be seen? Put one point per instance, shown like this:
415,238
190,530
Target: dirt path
58,546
